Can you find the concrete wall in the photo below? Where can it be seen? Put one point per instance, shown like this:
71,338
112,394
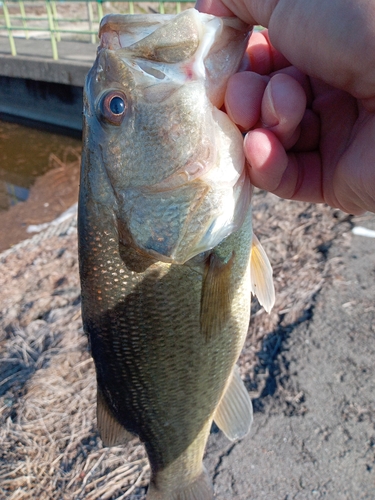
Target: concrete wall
52,103
35,87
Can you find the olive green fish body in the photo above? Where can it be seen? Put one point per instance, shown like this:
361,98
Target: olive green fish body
159,374
167,254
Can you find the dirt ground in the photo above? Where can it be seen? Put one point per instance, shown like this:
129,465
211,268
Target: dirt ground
308,366
314,425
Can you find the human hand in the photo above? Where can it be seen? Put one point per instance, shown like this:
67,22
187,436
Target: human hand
311,124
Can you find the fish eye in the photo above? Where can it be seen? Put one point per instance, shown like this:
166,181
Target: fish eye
114,106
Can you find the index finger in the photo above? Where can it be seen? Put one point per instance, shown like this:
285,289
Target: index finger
214,7
261,56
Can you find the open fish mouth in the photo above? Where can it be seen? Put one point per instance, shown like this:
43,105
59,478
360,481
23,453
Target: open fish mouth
182,48
161,81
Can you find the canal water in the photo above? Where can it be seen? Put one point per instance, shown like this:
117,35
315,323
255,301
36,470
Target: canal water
39,176
24,156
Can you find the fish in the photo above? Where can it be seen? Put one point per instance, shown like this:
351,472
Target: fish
168,259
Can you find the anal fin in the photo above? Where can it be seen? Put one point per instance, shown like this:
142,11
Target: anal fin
234,415
112,433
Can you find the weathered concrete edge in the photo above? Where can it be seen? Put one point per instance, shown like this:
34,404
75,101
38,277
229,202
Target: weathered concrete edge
40,69
70,121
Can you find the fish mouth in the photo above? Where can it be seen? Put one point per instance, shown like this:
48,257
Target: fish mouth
189,203
186,47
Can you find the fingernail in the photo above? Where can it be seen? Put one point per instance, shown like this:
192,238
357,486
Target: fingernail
268,111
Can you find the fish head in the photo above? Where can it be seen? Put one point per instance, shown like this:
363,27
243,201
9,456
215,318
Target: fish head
172,160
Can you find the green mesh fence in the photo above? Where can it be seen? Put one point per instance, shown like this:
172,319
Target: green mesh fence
70,20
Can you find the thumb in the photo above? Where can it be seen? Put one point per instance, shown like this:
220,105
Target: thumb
313,36
250,11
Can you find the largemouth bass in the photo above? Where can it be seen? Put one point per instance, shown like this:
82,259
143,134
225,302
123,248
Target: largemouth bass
167,255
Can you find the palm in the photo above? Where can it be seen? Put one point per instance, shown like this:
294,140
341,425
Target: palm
346,149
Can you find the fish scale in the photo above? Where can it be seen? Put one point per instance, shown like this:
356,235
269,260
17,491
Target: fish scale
152,327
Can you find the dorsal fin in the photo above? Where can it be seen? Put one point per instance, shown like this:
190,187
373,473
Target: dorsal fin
261,276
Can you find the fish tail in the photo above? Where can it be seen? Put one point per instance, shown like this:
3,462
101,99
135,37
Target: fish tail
198,489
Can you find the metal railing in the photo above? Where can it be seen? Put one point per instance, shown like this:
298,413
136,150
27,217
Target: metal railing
53,18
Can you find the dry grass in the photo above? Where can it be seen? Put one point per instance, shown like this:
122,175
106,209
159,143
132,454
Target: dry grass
49,446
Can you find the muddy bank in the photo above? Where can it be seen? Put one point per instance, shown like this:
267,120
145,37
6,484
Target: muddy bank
50,195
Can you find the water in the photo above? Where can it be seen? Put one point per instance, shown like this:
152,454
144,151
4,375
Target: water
24,156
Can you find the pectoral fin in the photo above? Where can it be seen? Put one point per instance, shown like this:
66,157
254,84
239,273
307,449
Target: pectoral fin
112,433
234,414
261,276
216,295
